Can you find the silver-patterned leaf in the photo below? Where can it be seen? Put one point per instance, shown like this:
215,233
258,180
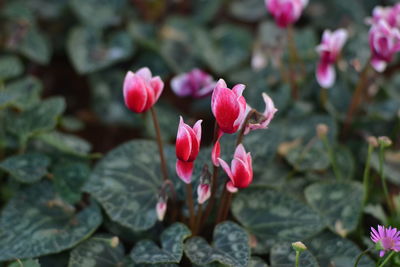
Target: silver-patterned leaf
283,255
271,215
230,247
36,223
98,251
172,238
126,183
339,203
26,168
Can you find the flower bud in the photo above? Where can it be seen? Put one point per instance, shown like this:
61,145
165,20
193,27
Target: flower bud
384,141
195,83
299,246
372,141
322,130
161,207
114,242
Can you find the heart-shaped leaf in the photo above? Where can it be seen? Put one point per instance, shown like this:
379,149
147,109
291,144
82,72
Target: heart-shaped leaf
48,225
172,238
339,203
271,215
10,67
27,168
38,119
283,255
89,53
23,93
230,247
126,183
98,251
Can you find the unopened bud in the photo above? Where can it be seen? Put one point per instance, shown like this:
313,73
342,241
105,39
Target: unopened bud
372,141
161,207
384,141
114,241
203,193
322,130
299,246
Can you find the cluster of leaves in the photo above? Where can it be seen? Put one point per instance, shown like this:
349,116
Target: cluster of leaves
60,206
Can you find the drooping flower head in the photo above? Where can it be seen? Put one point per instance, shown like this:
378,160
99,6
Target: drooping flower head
195,83
388,238
241,171
261,120
204,188
228,106
384,42
329,51
286,12
141,90
161,208
187,148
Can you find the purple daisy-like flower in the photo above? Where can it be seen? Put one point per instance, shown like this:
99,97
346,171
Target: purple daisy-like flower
388,238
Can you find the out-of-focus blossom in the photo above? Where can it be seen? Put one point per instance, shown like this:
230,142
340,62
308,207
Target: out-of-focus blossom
329,51
261,120
187,148
384,43
228,106
286,12
241,171
387,238
141,90
390,14
161,208
195,83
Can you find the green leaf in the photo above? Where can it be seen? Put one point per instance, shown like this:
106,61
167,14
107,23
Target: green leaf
38,119
345,161
339,203
27,168
248,10
391,165
330,249
283,255
226,48
309,157
98,13
230,247
271,215
10,67
23,93
205,10
257,262
98,251
126,183
89,52
35,223
172,238
25,263
65,143
69,178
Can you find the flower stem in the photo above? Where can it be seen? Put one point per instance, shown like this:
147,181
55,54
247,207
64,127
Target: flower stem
332,157
324,97
293,58
227,207
387,259
198,219
360,256
383,178
190,204
222,205
357,97
297,258
366,173
239,138
159,143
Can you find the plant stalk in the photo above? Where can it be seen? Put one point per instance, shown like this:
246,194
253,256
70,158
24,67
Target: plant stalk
293,60
190,204
360,256
198,219
297,258
366,173
387,259
383,178
159,143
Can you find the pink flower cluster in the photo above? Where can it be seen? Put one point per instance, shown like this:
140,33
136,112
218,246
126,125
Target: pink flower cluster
387,239
384,35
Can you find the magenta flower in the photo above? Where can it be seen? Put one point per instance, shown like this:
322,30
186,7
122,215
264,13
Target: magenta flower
329,51
241,171
390,14
141,90
384,42
195,83
261,121
187,148
388,238
286,12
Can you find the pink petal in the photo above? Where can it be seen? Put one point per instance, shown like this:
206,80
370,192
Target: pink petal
158,85
183,145
203,193
378,65
242,176
161,209
226,168
179,85
135,93
184,170
216,150
145,73
197,130
325,75
231,188
238,89
240,153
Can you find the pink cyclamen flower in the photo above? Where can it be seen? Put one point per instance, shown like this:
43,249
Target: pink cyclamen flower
228,106
203,193
384,42
187,148
241,171
286,12
141,90
195,83
390,14
388,238
161,209
261,121
329,51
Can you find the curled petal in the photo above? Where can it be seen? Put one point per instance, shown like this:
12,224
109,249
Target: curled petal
203,193
183,145
226,168
184,170
197,130
230,187
325,75
145,73
158,85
